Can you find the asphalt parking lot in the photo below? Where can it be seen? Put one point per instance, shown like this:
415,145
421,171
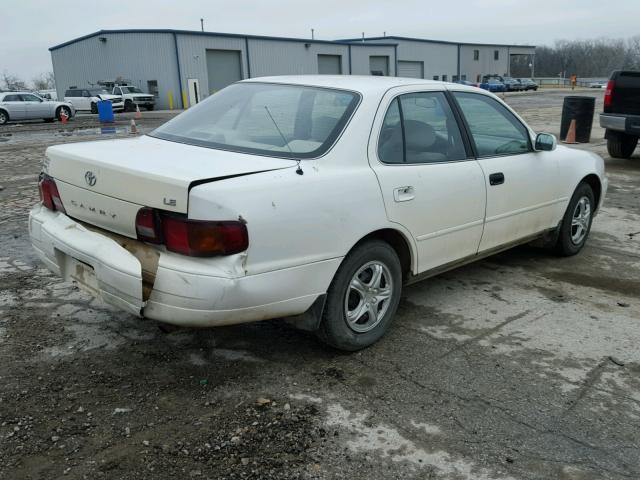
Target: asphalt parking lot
521,366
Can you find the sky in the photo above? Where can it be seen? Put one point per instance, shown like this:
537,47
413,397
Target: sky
30,27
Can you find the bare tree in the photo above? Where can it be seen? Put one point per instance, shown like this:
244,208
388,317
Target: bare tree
44,81
11,82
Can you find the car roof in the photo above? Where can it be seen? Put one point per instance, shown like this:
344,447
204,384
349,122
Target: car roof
358,83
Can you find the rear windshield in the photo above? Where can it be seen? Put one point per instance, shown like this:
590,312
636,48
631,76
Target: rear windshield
288,121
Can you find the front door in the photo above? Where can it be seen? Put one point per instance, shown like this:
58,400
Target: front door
35,107
430,183
523,194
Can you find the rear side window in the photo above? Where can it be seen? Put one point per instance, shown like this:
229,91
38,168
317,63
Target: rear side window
420,128
12,98
495,130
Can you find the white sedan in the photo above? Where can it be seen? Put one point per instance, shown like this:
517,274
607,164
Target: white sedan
313,197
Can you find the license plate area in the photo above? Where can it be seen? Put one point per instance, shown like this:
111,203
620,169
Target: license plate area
81,273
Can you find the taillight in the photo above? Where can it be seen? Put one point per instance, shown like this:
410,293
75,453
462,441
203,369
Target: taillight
148,225
608,93
196,238
49,195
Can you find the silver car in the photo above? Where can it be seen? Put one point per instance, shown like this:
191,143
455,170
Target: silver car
15,106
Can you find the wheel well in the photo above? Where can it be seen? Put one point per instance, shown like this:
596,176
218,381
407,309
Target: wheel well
399,244
594,182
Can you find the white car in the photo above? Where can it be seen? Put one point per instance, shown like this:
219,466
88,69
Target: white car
316,195
86,99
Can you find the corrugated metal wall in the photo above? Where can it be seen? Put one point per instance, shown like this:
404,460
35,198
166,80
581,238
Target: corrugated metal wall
438,58
139,57
360,53
486,64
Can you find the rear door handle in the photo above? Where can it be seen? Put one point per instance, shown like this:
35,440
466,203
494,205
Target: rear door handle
403,194
496,178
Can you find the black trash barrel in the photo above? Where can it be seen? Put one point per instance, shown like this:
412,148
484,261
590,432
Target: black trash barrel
581,110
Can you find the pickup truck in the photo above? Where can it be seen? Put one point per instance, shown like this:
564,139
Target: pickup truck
133,97
621,116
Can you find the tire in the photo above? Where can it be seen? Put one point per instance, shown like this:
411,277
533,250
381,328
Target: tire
361,263
576,224
149,108
63,109
621,145
4,117
48,120
128,106
94,108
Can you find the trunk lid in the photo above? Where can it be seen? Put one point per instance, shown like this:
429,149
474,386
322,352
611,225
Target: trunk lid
105,182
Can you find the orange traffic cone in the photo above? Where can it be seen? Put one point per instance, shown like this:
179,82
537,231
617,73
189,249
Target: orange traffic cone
134,129
64,118
138,114
571,134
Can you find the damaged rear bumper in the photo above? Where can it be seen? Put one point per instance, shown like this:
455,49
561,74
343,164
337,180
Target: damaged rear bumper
172,288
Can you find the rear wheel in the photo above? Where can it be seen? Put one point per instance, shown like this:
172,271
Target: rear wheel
577,220
4,117
621,145
363,297
94,108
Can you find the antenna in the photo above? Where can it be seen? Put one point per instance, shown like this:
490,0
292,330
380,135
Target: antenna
298,170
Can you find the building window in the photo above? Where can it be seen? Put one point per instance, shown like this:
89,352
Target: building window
454,78
152,88
436,77
476,55
464,77
496,54
444,78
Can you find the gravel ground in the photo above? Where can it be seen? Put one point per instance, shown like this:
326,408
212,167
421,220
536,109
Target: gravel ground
521,366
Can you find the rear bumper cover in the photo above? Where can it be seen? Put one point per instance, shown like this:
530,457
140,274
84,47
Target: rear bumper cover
629,124
186,291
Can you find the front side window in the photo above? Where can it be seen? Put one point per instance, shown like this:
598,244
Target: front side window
30,98
420,128
495,130
287,121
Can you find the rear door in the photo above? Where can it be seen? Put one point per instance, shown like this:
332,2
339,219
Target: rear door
15,106
429,182
523,194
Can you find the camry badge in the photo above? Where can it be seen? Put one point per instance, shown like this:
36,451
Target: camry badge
90,178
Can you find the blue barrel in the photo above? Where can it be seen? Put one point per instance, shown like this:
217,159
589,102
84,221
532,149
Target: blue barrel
105,111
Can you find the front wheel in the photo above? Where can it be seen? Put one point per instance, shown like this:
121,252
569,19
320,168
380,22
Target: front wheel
363,297
621,145
94,108
149,108
128,106
576,223
66,112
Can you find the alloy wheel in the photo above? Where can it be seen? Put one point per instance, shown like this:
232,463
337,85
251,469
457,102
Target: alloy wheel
580,220
368,296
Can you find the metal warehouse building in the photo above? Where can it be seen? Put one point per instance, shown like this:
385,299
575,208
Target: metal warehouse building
181,67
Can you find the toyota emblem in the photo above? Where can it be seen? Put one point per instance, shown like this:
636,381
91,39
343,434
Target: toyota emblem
90,178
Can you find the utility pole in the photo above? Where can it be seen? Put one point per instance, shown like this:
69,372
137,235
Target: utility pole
202,24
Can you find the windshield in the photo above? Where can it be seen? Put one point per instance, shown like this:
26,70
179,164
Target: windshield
98,91
131,90
287,121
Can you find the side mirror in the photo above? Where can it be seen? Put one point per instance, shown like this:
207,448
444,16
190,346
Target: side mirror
545,142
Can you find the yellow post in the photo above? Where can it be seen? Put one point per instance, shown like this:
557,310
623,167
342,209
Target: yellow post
170,95
184,100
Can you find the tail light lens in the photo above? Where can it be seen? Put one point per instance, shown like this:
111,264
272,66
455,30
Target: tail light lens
195,238
608,93
49,195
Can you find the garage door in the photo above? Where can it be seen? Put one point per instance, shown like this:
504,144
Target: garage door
410,69
330,64
223,68
379,65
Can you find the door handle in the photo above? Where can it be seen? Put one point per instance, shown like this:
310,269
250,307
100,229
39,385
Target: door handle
496,178
403,194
